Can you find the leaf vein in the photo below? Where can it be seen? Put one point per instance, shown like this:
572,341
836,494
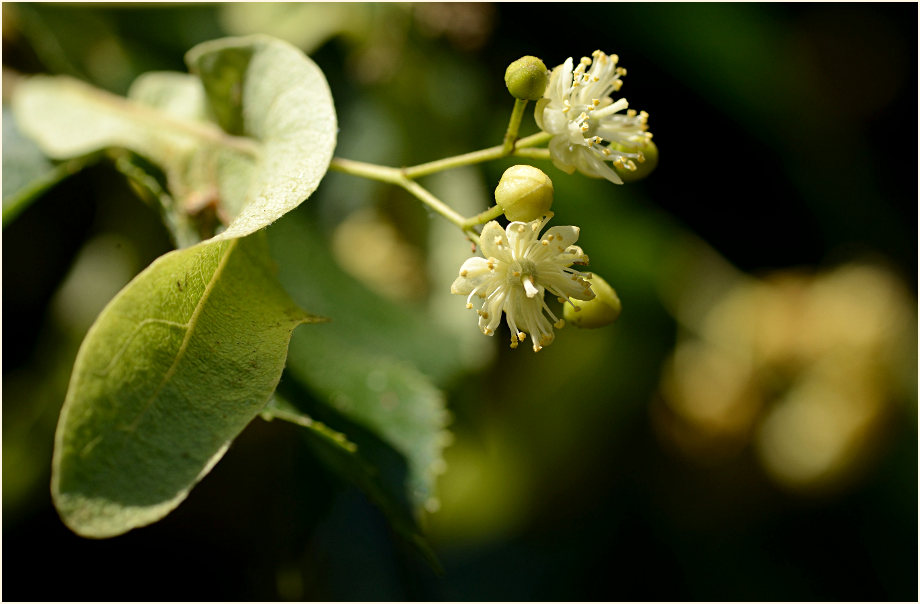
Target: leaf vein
131,336
188,333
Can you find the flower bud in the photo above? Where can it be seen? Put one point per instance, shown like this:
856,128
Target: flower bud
524,193
643,168
526,78
602,310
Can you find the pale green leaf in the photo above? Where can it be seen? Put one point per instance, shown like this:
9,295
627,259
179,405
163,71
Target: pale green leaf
173,369
278,135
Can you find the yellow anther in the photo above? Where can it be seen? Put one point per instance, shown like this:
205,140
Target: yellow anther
522,336
469,305
559,324
464,273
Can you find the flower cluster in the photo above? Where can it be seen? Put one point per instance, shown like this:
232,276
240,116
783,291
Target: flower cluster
585,122
517,268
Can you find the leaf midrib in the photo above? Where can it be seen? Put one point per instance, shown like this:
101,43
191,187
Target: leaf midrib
143,113
192,321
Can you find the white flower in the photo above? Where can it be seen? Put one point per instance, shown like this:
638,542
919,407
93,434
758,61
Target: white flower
516,270
582,117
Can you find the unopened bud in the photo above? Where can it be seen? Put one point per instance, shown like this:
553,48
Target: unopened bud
526,78
602,310
643,168
524,193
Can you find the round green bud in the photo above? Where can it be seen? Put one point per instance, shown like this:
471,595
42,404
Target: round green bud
602,310
526,78
643,168
524,193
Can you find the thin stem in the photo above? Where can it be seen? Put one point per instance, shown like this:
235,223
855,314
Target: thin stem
433,202
366,170
467,159
397,177
476,157
532,153
405,177
532,141
483,217
514,124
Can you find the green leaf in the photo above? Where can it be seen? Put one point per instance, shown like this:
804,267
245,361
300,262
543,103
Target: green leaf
385,395
278,136
361,457
371,363
366,320
27,173
173,369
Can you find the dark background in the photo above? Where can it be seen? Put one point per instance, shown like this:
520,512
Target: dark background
787,139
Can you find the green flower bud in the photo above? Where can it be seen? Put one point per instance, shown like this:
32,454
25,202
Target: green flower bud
526,78
524,193
643,168
602,310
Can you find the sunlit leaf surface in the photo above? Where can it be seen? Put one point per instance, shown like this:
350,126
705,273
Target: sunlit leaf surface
173,369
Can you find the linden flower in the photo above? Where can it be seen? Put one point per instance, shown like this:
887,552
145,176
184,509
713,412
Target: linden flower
516,270
584,121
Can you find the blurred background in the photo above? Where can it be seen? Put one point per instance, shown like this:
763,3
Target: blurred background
747,430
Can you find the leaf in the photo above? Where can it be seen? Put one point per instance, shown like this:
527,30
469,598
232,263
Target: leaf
27,173
173,369
280,408
385,395
372,362
278,136
366,320
362,458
